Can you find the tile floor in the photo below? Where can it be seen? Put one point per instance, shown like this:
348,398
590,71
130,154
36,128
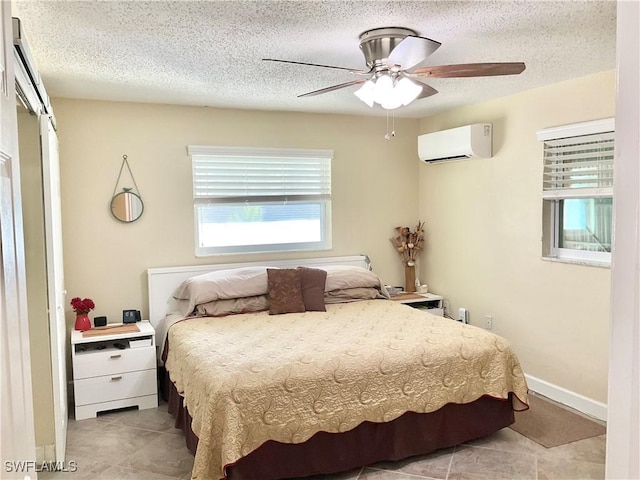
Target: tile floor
143,445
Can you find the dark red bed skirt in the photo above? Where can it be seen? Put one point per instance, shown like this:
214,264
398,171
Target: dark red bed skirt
408,435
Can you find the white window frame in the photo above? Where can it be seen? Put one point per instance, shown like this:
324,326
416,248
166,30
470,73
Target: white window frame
551,232
320,195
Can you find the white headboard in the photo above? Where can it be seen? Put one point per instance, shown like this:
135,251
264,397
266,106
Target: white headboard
164,281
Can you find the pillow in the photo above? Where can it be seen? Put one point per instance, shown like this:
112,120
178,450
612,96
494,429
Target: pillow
352,295
345,276
285,290
223,284
230,306
312,284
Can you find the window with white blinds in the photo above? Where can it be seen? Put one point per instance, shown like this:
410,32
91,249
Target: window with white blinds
261,200
579,166
577,191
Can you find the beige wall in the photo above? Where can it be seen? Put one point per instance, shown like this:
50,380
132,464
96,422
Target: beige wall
483,217
374,188
33,215
483,227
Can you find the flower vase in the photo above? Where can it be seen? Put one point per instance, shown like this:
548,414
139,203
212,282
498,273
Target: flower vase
82,322
409,278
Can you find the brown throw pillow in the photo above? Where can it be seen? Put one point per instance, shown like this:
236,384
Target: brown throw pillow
313,282
285,290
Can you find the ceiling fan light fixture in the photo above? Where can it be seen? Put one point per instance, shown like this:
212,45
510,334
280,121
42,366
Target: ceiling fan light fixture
388,93
408,90
391,101
366,92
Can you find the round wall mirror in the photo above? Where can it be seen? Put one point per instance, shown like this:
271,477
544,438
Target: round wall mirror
127,206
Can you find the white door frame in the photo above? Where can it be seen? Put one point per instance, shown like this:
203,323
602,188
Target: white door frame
623,422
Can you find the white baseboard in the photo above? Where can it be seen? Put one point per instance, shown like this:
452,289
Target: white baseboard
571,399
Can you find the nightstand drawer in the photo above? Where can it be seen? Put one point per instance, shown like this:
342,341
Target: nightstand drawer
113,361
115,387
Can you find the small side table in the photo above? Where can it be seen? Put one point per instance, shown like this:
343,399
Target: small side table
424,301
106,377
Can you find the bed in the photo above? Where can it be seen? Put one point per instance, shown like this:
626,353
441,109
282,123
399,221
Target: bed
294,390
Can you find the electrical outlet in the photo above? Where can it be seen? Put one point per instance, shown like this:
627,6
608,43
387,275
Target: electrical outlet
488,322
445,305
462,315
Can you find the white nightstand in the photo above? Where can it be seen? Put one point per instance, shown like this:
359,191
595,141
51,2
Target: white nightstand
106,377
423,301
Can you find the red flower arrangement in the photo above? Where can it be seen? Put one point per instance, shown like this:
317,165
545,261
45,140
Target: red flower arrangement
82,306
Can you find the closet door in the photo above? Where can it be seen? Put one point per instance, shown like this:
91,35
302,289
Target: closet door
55,279
17,440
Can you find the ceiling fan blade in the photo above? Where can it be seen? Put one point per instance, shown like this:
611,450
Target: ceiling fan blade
471,70
331,89
427,90
352,70
411,51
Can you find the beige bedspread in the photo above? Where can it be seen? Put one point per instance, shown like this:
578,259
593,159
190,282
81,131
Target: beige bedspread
255,377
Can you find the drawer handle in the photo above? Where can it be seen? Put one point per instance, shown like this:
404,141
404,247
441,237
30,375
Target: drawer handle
119,377
116,356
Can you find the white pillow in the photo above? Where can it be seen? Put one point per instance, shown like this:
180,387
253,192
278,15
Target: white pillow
223,284
340,277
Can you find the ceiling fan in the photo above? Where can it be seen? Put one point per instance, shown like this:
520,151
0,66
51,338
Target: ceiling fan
391,53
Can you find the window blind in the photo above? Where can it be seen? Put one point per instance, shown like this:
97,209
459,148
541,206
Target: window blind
581,166
231,176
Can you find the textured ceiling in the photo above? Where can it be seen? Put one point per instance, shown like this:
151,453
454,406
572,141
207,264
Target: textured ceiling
209,53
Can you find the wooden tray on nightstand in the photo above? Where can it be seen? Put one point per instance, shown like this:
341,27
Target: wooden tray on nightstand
111,329
408,296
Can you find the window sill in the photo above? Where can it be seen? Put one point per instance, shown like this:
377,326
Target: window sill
204,254
573,261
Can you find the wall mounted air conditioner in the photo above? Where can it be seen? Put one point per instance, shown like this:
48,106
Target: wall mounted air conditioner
470,141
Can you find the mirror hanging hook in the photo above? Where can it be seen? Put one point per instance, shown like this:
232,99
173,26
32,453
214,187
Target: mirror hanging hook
126,189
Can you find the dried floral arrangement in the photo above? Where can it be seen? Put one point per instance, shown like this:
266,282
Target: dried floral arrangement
409,243
82,306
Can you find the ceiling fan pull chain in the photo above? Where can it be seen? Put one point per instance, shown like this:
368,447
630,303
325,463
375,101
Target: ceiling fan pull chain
387,136
393,124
